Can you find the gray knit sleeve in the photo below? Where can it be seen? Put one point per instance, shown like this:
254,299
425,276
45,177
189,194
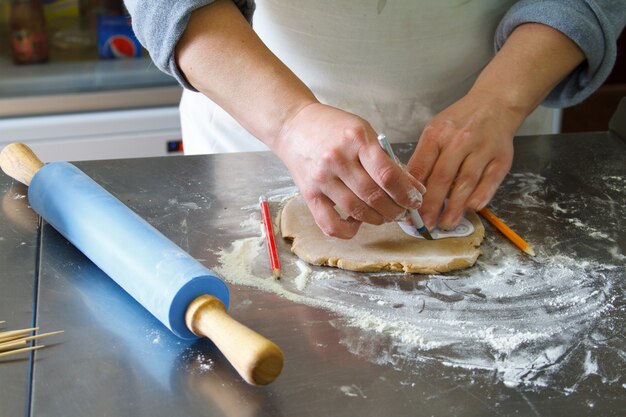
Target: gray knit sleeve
159,24
594,25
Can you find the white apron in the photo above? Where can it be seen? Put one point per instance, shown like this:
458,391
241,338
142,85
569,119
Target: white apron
395,63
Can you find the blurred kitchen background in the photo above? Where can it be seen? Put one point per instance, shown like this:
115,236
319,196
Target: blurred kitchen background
76,85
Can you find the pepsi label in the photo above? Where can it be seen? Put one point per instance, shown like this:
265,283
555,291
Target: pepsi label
116,39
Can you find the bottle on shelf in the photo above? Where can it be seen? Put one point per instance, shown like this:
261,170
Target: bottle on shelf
91,9
27,30
68,42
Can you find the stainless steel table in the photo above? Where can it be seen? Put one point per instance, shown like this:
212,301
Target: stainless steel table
114,359
19,259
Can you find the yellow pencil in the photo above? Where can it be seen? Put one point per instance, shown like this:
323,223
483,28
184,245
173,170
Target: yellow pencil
507,231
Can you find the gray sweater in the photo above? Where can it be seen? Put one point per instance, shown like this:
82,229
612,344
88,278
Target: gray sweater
594,25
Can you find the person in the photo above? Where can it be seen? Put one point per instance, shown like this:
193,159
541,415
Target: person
316,81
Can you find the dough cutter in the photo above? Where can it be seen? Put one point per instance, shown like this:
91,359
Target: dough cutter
464,228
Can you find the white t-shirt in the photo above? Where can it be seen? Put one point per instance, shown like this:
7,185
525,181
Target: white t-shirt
394,63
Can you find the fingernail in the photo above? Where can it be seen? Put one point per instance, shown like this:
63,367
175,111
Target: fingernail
448,225
477,206
444,226
415,198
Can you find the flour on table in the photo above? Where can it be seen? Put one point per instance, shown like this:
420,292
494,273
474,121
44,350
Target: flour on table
544,322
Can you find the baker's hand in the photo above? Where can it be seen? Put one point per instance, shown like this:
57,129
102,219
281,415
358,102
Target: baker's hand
335,160
463,154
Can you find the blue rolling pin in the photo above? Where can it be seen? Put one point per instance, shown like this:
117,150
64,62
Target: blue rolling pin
186,297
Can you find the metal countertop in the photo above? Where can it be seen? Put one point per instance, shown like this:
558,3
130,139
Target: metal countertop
18,257
114,359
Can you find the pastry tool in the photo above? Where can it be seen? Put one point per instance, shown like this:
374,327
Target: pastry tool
269,236
507,231
415,216
464,228
186,297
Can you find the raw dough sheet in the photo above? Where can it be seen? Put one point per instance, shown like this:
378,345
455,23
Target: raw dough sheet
377,248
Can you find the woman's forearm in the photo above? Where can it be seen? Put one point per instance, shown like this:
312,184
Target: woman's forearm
221,56
533,60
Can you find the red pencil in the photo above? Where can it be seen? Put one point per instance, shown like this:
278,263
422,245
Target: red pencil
269,236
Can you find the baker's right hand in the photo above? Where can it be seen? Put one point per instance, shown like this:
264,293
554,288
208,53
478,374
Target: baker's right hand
335,160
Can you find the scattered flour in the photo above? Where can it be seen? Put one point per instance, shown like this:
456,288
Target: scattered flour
530,188
616,254
590,231
198,363
206,365
352,391
519,324
615,183
187,204
154,336
305,272
529,322
251,223
557,208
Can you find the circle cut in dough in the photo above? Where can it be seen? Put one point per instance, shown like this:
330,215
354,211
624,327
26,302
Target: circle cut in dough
377,248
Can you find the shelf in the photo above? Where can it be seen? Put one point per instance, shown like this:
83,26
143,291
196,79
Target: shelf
78,77
80,86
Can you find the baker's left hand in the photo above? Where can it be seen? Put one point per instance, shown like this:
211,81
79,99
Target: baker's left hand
463,154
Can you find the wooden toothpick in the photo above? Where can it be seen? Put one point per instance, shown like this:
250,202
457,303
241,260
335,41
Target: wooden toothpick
16,351
13,342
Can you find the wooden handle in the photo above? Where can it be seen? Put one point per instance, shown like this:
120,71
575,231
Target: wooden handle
19,162
258,360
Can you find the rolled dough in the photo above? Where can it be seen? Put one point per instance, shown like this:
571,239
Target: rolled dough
377,248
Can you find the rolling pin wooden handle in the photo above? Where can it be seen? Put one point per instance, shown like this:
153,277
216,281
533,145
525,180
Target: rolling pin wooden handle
19,162
258,360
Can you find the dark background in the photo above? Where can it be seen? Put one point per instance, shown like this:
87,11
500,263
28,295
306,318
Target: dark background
594,113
